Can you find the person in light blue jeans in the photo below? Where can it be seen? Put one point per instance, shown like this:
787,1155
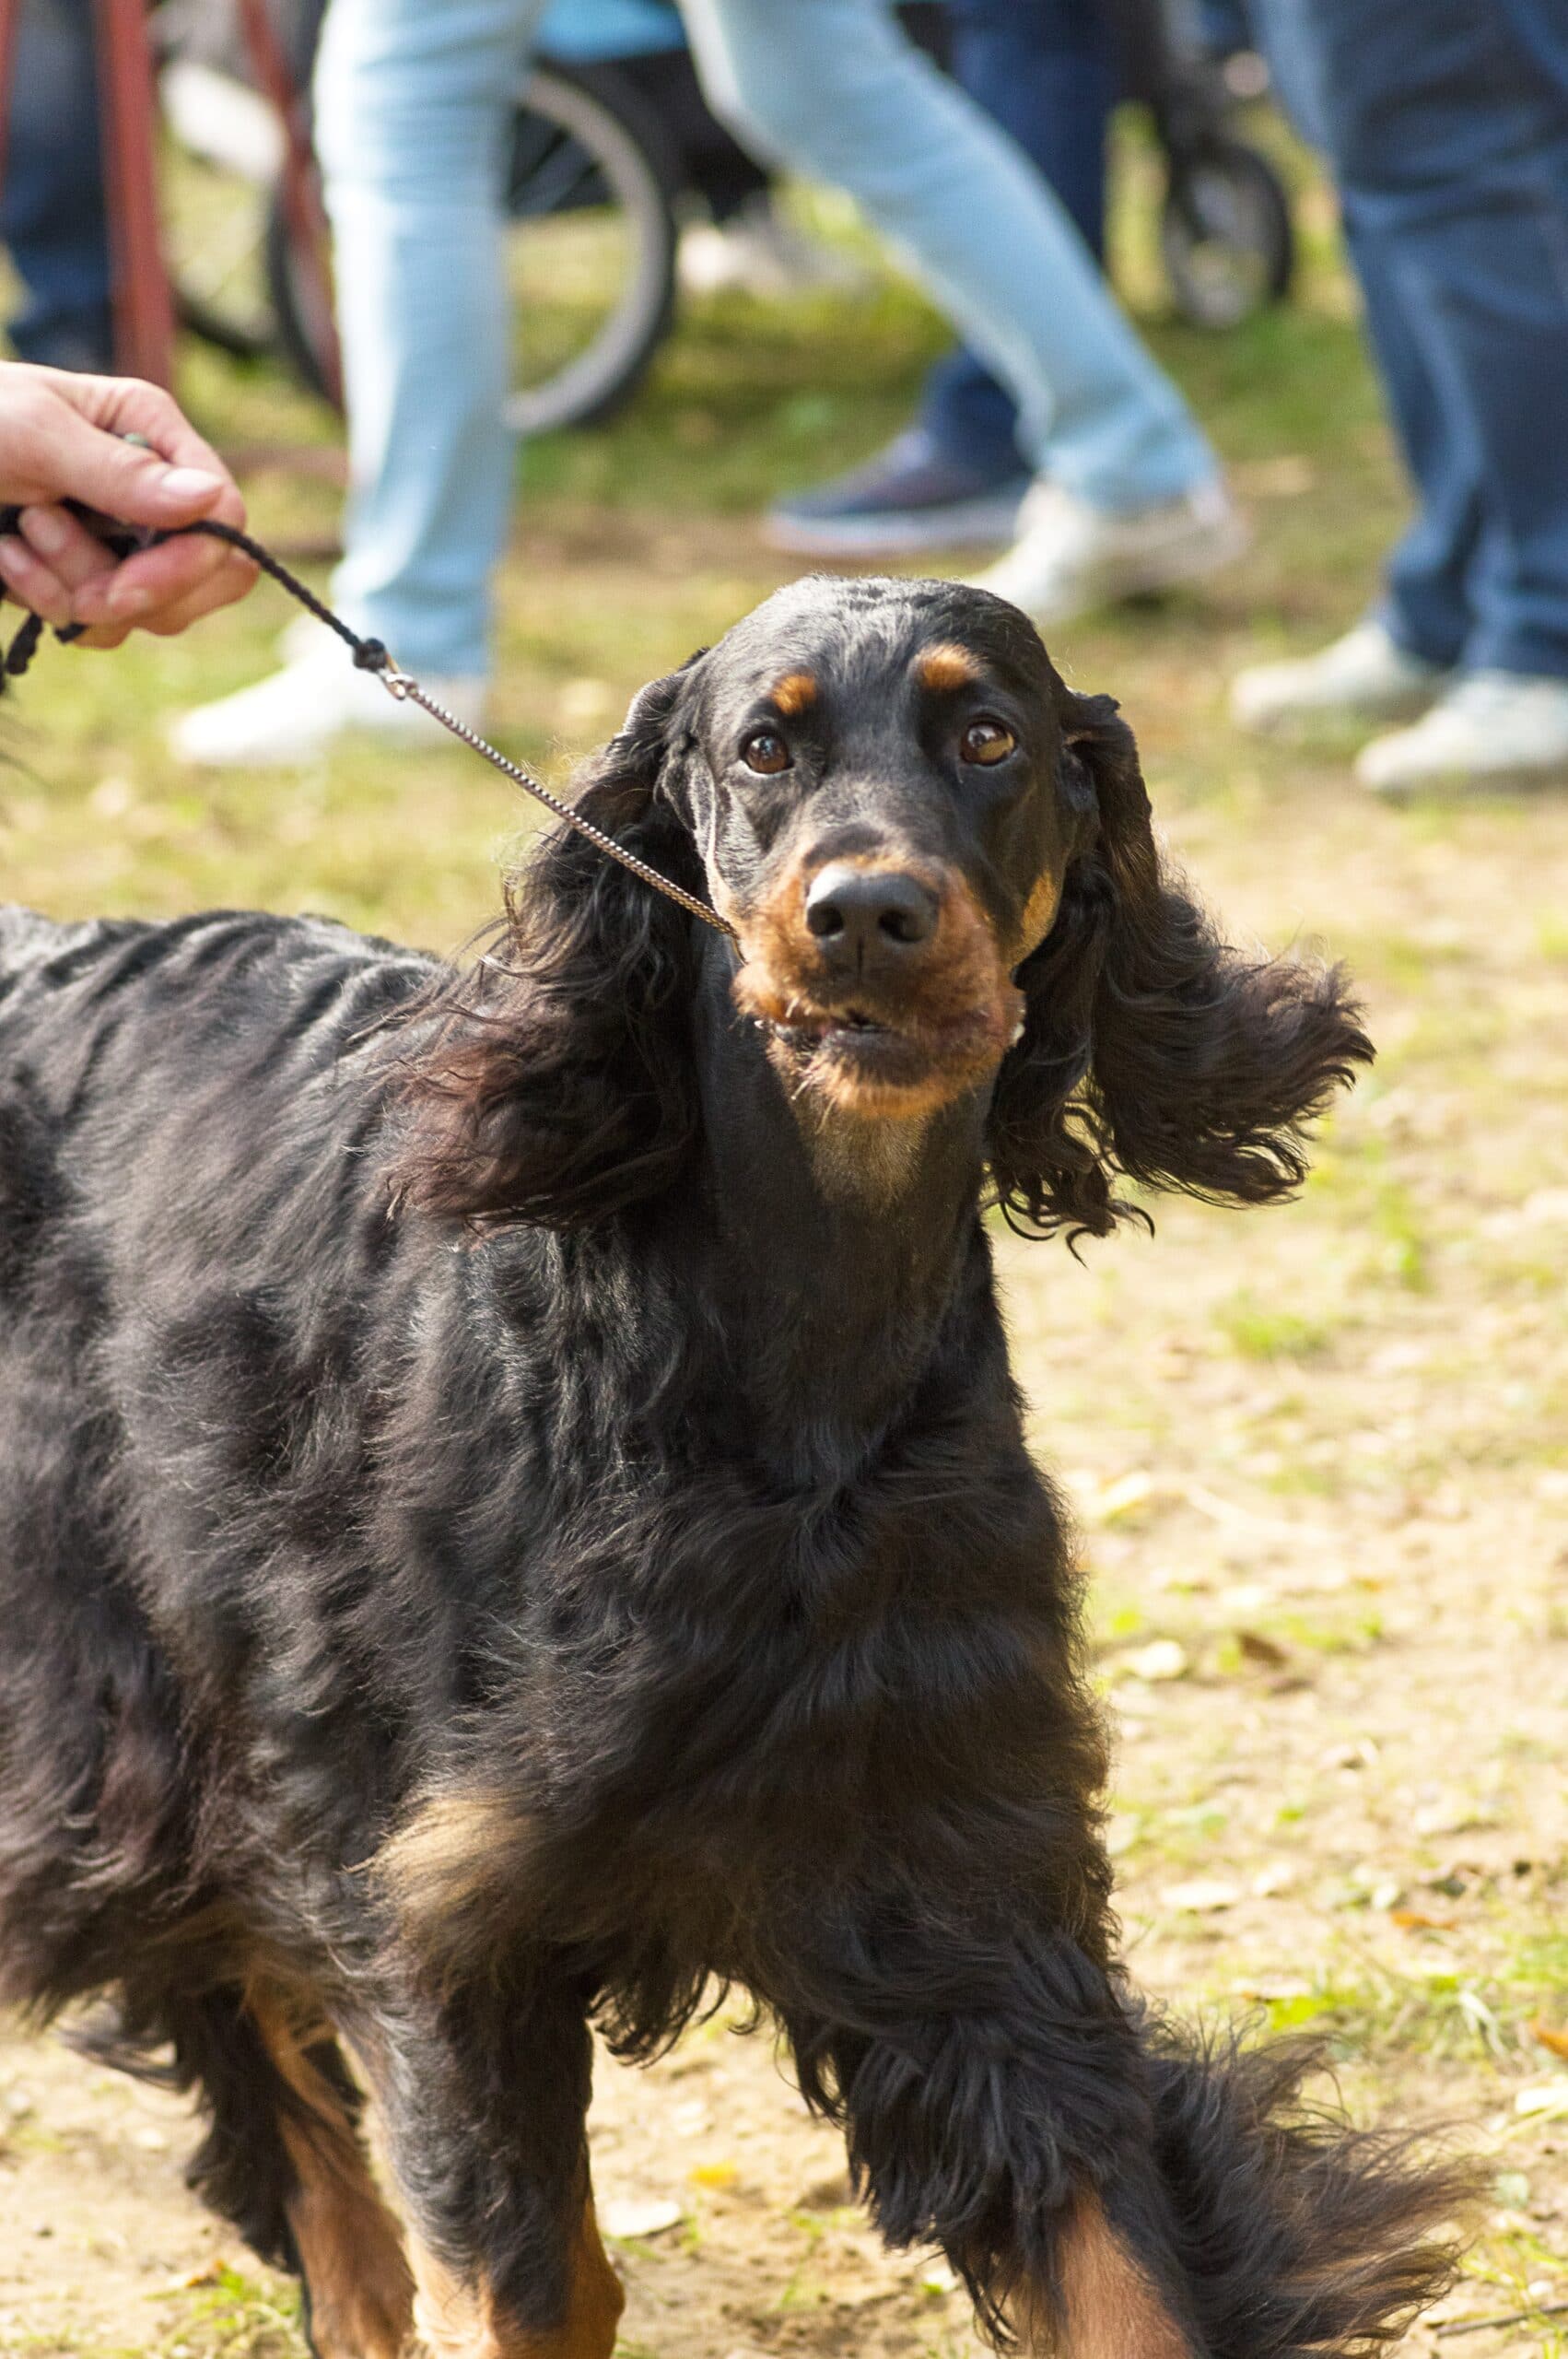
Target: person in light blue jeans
413,98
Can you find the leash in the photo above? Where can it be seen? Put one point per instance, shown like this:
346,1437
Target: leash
369,655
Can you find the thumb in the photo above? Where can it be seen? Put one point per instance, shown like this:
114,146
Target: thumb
126,480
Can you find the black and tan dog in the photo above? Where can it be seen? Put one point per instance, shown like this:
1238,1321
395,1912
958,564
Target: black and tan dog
512,1519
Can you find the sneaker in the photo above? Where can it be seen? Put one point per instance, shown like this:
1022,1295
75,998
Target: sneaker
1069,556
911,497
318,697
757,252
1491,729
1367,674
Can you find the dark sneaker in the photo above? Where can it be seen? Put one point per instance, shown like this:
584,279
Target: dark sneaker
911,497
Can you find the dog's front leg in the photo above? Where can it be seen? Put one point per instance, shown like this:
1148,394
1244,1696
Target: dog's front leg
996,2102
1106,2304
483,2095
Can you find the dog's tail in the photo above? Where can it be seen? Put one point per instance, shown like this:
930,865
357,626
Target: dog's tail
1297,2237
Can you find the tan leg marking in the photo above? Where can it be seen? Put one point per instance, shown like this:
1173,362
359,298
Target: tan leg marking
445,1864
1110,2310
350,2246
459,2319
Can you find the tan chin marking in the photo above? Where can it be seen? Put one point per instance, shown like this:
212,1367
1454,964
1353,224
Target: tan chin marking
458,2319
793,694
946,666
820,1082
1110,2310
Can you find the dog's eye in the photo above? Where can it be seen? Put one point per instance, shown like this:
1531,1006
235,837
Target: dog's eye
764,750
986,742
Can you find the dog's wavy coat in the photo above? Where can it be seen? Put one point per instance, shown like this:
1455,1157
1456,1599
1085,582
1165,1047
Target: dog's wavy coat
512,1518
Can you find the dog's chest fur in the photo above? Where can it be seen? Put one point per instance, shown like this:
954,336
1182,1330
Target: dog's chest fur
701,1675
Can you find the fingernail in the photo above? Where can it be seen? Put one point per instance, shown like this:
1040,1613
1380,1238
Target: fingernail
126,599
190,483
47,530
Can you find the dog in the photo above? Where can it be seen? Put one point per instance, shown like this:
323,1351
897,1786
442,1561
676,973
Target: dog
514,1515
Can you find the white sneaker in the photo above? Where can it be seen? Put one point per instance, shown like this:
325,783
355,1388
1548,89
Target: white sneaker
1367,674
758,252
294,716
1069,557
1491,729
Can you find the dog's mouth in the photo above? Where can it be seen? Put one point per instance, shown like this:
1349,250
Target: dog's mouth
861,1060
849,1031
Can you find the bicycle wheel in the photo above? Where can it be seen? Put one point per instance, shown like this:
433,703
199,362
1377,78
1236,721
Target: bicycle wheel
220,154
1225,233
590,245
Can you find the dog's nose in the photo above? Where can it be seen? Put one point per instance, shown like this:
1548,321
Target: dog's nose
859,911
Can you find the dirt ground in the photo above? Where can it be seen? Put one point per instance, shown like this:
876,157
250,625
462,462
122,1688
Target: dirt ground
1319,1454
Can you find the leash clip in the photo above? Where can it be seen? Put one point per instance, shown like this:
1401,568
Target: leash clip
400,685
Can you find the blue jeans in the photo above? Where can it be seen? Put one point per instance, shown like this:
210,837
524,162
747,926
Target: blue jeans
412,98
1447,125
51,213
1046,71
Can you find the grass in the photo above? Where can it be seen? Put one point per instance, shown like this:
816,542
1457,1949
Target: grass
236,2317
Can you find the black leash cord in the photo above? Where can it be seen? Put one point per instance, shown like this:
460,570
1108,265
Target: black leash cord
369,654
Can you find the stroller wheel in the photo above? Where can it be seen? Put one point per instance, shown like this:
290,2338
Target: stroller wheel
1226,233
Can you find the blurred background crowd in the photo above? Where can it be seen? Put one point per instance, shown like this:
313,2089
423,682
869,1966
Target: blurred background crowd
973,137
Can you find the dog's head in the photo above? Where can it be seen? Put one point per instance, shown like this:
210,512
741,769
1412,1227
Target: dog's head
939,866
874,774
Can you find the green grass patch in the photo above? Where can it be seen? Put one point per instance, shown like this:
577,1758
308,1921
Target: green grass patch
1263,1331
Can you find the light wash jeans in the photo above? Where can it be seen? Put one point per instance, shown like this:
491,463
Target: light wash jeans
411,104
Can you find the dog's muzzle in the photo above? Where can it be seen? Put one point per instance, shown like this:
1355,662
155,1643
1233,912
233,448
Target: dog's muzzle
881,983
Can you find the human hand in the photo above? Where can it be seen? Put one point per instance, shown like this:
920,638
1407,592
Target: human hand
61,438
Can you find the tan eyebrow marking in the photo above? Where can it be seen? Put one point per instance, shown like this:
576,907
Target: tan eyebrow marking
947,665
792,695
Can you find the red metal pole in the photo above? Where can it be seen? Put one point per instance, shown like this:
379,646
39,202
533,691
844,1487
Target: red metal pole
144,311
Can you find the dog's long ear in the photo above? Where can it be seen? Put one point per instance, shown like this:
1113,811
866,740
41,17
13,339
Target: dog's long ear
1150,1048
553,1083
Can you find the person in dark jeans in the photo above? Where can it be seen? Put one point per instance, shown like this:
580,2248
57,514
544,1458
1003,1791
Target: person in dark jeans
51,209
1048,71
1445,123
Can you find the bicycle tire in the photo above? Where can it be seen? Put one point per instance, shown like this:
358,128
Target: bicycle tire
294,344
1227,236
571,124
594,110
217,271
